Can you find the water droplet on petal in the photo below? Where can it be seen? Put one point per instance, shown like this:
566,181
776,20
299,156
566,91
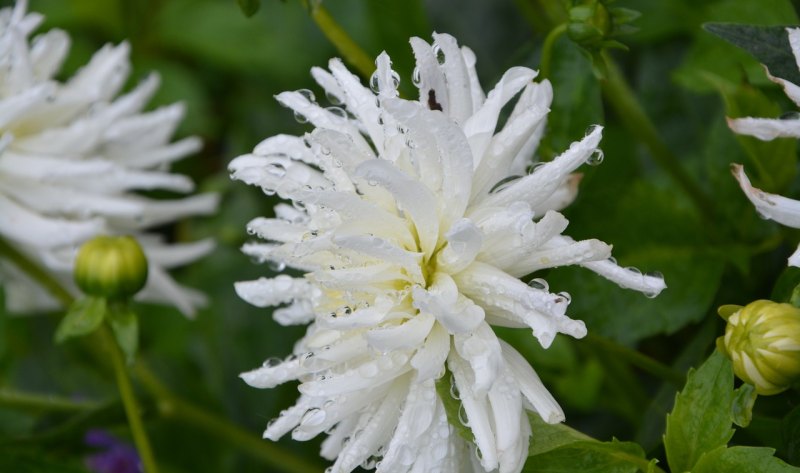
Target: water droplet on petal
338,111
595,158
276,170
307,94
375,82
790,116
503,183
438,53
333,98
566,295
300,118
313,417
539,284
276,266
395,79
272,362
591,129
416,77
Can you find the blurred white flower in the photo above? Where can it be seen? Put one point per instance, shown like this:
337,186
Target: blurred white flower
412,222
771,128
771,206
73,156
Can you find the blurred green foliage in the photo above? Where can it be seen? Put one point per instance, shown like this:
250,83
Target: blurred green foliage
226,67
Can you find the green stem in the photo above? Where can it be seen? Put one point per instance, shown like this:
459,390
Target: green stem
173,407
42,402
35,272
348,48
618,92
129,401
547,49
639,360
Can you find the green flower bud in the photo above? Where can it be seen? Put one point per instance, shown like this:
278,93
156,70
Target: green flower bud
763,341
113,267
589,24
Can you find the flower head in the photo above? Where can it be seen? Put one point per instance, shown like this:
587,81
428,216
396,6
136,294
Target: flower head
73,156
763,341
412,221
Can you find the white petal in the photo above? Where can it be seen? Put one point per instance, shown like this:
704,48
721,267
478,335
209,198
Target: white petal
771,206
480,127
477,410
481,350
765,128
531,386
442,299
407,334
265,292
429,359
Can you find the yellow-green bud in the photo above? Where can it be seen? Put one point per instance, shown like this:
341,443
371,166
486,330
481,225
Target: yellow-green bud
113,267
763,341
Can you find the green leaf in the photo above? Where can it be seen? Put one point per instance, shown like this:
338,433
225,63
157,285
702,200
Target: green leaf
83,317
125,326
559,448
452,406
701,418
790,431
743,400
742,460
576,98
786,286
708,54
769,44
249,7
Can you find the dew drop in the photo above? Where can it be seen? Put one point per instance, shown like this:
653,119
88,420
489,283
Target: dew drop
566,296
437,51
276,170
454,391
591,129
462,416
272,362
276,266
595,158
539,284
333,98
307,94
395,79
300,118
790,116
503,183
654,274
338,111
416,77
325,151
314,417
633,270
375,82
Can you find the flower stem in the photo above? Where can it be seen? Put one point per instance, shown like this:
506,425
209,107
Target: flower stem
547,49
129,401
170,405
173,407
348,48
619,94
42,402
22,262
639,360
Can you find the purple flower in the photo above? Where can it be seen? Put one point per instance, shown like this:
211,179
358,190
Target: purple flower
113,455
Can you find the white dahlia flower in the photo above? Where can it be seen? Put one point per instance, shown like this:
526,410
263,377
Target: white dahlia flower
411,223
73,157
771,206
